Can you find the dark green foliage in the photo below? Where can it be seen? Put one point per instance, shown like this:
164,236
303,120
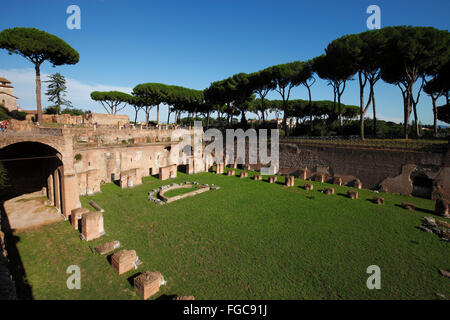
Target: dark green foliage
56,91
37,47
52,110
112,101
74,111
17,115
4,113
444,113
412,53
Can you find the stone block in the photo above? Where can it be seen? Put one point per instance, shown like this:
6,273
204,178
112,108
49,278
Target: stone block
289,181
441,208
337,181
231,173
108,247
76,215
303,173
319,177
328,191
244,174
257,177
273,179
357,184
168,172
378,200
147,284
308,186
92,226
408,206
352,194
124,260
183,298
219,168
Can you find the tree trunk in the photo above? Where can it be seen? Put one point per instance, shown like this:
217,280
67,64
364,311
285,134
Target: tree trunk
361,106
157,115
416,122
310,111
372,96
147,112
407,111
435,115
135,116
38,92
168,116
285,119
340,114
262,108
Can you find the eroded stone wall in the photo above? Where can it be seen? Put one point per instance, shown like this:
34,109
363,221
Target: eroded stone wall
389,168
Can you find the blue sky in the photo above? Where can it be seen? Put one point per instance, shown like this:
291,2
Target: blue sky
193,43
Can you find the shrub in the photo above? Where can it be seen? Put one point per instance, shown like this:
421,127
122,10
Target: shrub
78,157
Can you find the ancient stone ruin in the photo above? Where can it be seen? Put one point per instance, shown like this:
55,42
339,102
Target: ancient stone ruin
408,206
168,172
319,177
92,226
289,181
337,181
441,208
308,187
76,215
438,227
147,284
219,168
352,194
257,177
303,173
231,173
273,179
357,184
183,298
378,200
108,247
125,260
328,191
158,195
244,174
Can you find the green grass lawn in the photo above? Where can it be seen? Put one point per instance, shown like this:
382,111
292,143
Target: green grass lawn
248,240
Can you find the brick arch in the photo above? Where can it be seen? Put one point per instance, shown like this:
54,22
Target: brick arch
45,141
56,174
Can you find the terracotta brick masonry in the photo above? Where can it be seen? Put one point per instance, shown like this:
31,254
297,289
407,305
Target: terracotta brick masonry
273,179
289,181
352,194
308,187
125,260
148,283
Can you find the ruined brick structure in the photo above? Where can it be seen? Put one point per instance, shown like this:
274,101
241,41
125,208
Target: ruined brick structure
77,161
408,172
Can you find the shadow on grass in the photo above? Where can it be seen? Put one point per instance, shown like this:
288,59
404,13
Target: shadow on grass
342,194
131,279
166,297
23,289
426,211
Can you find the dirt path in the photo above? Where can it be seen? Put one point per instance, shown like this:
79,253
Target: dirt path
30,211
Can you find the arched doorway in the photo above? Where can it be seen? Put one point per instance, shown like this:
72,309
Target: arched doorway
422,185
31,167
